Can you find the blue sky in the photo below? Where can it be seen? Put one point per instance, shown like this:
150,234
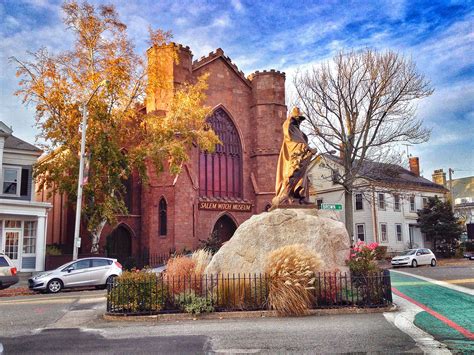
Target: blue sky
286,35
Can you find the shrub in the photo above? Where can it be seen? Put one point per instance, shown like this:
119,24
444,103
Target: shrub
245,291
180,275
292,271
137,292
362,259
191,303
380,252
202,258
213,243
328,287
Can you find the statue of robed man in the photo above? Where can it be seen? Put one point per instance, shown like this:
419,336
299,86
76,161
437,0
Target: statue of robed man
292,183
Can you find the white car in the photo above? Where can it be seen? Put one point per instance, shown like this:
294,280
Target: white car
80,273
415,257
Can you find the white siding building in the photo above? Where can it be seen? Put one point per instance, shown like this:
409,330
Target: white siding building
22,219
385,201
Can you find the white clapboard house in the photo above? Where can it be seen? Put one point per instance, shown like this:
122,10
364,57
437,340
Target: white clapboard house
385,200
22,219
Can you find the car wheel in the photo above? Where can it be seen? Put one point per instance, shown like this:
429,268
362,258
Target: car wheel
433,262
110,279
414,263
54,286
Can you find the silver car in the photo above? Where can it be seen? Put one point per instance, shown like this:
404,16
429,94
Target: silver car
79,273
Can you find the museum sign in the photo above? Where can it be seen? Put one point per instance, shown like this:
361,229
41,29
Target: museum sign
225,206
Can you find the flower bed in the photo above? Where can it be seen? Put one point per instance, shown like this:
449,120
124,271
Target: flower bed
148,293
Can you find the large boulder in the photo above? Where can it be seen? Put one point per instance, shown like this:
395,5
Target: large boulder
247,250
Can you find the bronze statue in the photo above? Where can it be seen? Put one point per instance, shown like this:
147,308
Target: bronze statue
292,183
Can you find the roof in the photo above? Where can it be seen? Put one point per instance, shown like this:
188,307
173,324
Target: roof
391,174
219,53
12,142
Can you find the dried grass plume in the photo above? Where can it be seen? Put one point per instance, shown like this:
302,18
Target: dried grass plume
292,270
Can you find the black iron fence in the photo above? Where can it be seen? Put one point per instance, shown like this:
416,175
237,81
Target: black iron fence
156,293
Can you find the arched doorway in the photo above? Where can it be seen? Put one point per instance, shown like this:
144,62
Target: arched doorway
224,229
119,244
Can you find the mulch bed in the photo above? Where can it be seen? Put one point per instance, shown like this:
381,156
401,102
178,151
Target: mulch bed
16,291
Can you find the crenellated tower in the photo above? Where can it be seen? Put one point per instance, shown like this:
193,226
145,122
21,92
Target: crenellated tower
169,66
268,113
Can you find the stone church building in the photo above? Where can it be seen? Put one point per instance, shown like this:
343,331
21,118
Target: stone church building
214,193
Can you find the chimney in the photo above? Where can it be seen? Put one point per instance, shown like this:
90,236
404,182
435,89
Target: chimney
415,165
439,177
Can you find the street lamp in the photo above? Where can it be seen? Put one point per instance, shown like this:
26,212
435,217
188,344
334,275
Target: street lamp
77,226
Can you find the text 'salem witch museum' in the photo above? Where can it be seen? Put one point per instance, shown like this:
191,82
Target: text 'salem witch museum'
214,192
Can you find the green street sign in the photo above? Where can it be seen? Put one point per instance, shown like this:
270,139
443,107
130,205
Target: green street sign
331,206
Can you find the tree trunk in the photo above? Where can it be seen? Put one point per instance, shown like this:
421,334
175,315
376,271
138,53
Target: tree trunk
349,215
96,237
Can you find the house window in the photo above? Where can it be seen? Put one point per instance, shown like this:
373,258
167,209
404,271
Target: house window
11,178
360,229
425,201
319,202
359,203
29,237
396,202
220,173
412,204
163,216
398,229
11,223
383,232
382,201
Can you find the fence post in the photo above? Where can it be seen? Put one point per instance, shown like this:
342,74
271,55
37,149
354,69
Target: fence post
387,283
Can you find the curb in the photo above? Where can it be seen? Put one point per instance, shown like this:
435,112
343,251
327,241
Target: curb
244,314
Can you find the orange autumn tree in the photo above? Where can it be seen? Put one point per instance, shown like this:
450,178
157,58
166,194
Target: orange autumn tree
120,138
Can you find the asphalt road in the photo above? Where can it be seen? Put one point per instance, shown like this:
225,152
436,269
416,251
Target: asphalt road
456,275
72,323
327,334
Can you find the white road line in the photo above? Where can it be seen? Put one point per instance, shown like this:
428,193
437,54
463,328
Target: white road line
439,283
404,320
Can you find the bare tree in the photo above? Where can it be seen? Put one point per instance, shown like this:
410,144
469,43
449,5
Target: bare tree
361,104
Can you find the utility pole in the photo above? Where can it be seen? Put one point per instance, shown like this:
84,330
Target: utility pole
451,172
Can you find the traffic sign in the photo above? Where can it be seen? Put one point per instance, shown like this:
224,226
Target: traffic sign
331,206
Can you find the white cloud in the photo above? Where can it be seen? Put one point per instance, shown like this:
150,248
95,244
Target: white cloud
222,21
237,4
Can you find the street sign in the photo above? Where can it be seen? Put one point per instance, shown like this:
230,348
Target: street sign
331,206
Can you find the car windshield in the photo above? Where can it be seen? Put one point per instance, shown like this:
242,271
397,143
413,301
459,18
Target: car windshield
409,252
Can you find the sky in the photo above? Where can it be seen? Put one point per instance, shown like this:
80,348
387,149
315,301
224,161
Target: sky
285,35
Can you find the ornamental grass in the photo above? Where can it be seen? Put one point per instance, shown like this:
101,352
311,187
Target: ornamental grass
179,275
292,271
202,258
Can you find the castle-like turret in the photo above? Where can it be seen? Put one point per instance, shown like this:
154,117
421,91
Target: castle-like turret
268,113
169,66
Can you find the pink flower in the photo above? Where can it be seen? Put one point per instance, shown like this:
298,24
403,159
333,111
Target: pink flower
373,246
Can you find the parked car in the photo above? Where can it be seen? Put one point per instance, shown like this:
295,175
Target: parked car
79,273
469,255
8,272
415,257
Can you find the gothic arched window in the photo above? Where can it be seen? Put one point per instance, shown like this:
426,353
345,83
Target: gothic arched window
220,173
162,210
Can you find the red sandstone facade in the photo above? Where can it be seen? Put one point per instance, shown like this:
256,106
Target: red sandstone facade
214,192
